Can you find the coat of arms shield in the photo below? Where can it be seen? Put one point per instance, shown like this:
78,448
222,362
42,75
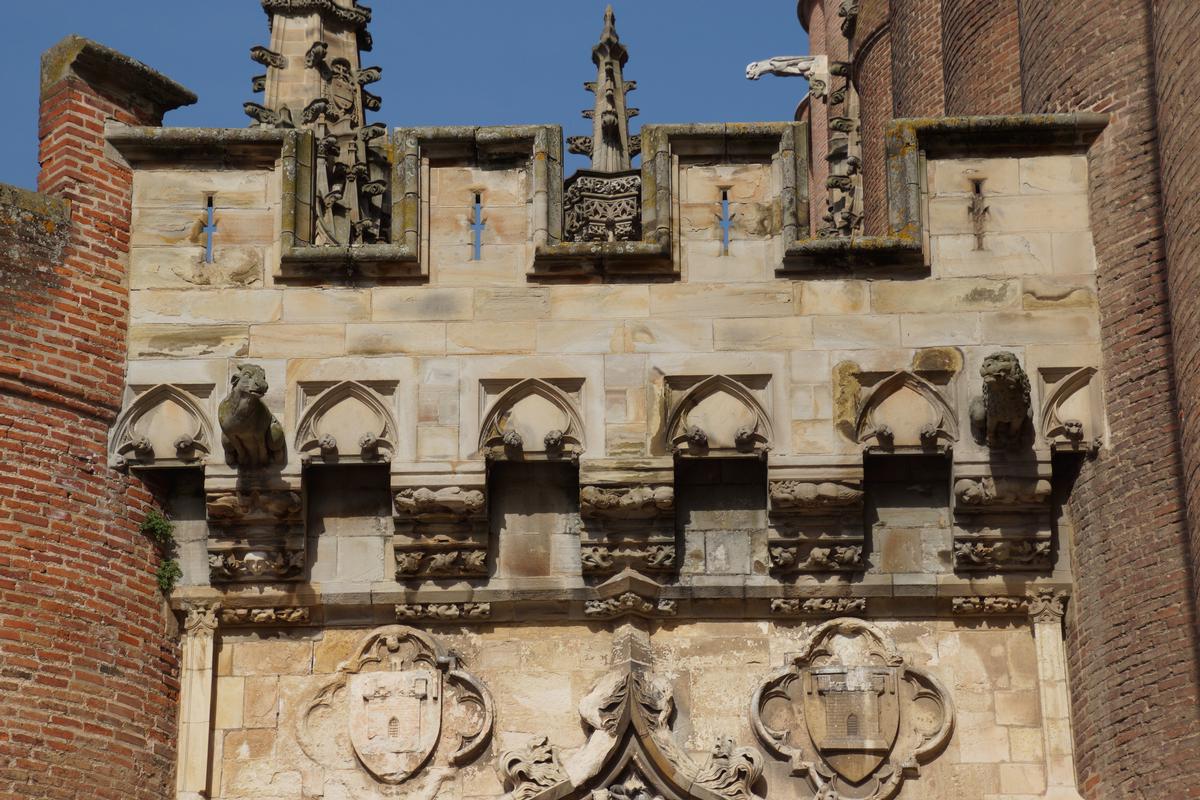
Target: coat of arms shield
395,720
853,716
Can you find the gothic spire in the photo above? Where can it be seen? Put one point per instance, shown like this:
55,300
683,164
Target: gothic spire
610,147
315,80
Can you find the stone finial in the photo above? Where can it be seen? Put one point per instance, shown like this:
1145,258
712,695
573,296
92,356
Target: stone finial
610,147
320,85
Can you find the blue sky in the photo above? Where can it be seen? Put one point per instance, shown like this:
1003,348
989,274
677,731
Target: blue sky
476,62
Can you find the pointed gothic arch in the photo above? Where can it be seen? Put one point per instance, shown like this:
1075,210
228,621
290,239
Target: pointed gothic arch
164,426
532,420
347,422
719,416
905,412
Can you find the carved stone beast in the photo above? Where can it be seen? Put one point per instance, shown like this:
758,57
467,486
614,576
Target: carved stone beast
999,415
250,434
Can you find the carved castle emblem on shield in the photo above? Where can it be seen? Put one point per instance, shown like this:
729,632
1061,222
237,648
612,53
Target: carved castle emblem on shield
401,706
850,715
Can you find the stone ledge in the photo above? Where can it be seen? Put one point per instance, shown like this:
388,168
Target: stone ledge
111,71
375,603
226,147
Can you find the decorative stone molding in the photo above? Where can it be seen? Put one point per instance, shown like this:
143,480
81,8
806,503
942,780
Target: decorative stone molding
256,526
200,619
1002,509
532,420
443,612
718,416
801,497
629,603
265,616
1047,606
532,769
988,605
863,719
441,525
627,515
1001,554
399,708
987,492
1000,415
626,502
817,606
906,413
1072,418
631,752
250,434
348,422
165,426
815,517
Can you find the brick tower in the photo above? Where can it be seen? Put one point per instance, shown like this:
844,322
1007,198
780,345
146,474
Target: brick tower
87,650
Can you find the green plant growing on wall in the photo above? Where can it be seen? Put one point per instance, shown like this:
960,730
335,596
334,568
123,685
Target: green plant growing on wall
158,529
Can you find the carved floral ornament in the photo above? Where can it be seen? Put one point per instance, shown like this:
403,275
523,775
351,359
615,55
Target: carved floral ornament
532,420
850,715
348,421
631,753
402,708
719,416
905,412
164,426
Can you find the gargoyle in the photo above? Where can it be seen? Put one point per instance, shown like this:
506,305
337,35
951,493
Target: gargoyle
250,434
998,416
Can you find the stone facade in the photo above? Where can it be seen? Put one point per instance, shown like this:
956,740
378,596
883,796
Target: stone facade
728,475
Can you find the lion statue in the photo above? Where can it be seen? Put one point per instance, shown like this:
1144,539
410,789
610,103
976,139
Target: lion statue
250,434
999,415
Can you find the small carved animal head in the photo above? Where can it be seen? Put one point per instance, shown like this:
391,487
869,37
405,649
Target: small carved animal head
1073,428
1003,368
249,379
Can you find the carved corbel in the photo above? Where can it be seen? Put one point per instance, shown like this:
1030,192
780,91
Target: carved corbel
628,519
256,534
815,517
1002,514
441,525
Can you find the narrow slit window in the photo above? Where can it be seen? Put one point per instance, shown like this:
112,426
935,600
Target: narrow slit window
477,228
210,229
726,222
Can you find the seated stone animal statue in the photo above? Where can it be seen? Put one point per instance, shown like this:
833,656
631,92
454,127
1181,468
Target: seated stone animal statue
250,434
998,417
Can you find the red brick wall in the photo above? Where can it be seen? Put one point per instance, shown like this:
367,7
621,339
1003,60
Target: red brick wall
917,86
1177,70
818,44
981,57
873,78
1131,628
87,648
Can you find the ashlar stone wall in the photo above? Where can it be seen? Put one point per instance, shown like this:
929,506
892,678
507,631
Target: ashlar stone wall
495,477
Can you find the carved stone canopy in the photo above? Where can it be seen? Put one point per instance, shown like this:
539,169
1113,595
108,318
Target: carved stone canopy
532,420
906,413
850,715
347,422
164,426
400,708
718,416
631,753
